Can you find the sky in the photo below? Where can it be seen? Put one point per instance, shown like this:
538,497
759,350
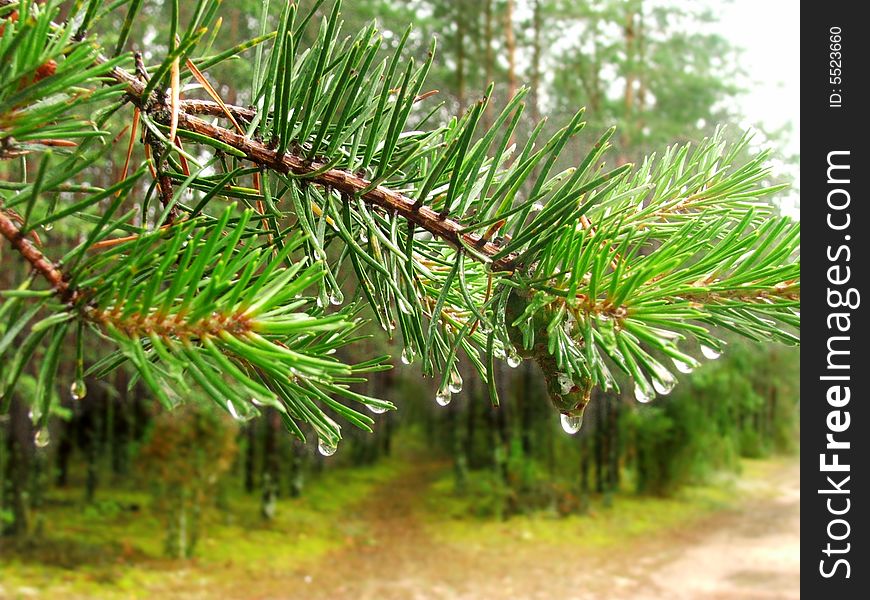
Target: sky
769,33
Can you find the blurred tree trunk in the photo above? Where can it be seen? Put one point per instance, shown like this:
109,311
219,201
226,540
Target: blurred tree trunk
460,52
271,463
511,48
295,475
537,26
250,456
19,455
488,59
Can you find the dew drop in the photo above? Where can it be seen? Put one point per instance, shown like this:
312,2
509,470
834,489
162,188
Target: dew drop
663,381
571,423
709,352
683,367
363,238
514,360
336,298
537,207
231,408
408,355
455,385
319,302
443,397
42,438
78,390
643,392
378,410
325,448
48,227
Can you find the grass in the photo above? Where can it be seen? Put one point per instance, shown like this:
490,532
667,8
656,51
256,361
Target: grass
624,517
115,548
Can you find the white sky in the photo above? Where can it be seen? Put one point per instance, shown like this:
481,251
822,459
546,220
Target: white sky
769,33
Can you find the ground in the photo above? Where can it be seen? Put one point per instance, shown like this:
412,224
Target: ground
737,539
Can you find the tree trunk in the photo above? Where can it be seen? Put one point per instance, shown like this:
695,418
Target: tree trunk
20,450
250,456
271,464
511,48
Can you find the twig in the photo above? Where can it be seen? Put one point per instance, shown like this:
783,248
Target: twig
35,257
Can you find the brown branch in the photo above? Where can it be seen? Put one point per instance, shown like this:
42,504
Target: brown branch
337,179
35,257
347,183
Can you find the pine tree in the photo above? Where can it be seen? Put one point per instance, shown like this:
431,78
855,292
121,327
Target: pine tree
247,247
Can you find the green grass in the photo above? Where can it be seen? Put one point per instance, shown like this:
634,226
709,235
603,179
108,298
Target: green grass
108,550
625,517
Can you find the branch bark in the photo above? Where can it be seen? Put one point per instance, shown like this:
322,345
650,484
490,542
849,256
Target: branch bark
337,179
34,256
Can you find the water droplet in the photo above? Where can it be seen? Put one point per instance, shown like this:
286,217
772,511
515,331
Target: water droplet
78,390
319,302
48,227
683,367
336,298
443,397
363,238
710,353
42,438
231,408
663,381
537,207
571,423
643,392
408,355
378,410
455,385
325,448
514,360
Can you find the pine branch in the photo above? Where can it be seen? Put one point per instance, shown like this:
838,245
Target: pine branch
461,240
436,223
33,255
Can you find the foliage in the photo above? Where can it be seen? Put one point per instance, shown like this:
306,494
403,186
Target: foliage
186,454
461,239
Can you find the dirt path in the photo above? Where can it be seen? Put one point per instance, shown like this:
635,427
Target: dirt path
750,552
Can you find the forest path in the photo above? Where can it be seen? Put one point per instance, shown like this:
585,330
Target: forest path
750,551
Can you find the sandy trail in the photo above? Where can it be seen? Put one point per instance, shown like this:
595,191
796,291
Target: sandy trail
746,553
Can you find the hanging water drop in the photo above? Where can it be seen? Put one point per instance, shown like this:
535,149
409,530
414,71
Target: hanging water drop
78,390
363,238
537,207
710,353
683,367
643,392
319,302
231,408
336,298
455,385
408,355
325,448
663,383
42,438
514,360
443,397
571,423
378,410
